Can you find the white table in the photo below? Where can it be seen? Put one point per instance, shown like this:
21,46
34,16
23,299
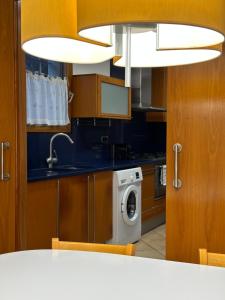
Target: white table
54,275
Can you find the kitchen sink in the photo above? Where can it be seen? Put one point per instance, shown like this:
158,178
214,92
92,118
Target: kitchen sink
62,169
58,169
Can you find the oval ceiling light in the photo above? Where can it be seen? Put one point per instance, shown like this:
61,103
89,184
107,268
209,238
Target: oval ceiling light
177,25
49,31
144,52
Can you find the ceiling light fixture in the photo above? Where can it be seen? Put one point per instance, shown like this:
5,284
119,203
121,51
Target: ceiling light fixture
153,33
49,31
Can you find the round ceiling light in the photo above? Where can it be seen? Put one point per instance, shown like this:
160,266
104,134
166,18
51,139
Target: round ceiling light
151,33
49,31
181,23
148,51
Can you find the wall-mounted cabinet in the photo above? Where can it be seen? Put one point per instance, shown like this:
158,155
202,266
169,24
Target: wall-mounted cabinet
98,96
159,94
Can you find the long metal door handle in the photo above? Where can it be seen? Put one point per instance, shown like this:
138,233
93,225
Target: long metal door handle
4,176
94,209
177,183
88,208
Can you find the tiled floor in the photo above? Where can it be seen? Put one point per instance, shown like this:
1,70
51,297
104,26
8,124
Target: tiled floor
152,244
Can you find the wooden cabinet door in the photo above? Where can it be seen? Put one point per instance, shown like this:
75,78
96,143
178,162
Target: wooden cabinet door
159,94
101,213
148,191
105,97
41,214
74,206
114,99
196,120
159,84
150,206
8,126
86,208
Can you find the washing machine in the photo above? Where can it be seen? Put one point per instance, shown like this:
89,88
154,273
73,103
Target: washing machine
126,206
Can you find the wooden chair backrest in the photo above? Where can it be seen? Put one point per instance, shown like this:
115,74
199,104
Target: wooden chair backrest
128,249
211,259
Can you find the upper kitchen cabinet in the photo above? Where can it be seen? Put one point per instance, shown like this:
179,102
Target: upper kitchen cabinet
98,96
48,96
159,94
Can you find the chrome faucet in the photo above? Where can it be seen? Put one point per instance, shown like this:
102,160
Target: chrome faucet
51,160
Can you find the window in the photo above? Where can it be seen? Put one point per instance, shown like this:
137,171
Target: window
43,66
49,69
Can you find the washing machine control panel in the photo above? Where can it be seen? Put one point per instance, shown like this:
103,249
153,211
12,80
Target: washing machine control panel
128,176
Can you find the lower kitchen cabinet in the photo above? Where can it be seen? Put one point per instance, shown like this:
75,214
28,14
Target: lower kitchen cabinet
77,208
102,206
86,208
151,206
73,209
41,214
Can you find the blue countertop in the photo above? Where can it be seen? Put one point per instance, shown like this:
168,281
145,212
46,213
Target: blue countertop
80,169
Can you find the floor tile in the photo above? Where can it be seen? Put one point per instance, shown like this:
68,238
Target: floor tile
161,230
152,244
156,241
143,250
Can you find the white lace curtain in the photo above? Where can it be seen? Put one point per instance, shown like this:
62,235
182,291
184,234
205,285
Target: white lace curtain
47,100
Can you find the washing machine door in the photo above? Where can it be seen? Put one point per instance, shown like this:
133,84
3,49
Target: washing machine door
130,205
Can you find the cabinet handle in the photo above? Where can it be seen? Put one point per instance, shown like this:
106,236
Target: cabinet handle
71,96
58,209
94,217
4,176
88,208
177,183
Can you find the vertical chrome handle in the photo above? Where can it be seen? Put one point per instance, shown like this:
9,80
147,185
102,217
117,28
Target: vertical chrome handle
4,176
177,183
58,210
94,212
88,208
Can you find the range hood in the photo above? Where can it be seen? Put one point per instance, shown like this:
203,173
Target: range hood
141,90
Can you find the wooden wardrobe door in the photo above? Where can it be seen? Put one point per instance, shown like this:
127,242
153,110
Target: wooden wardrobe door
196,120
8,124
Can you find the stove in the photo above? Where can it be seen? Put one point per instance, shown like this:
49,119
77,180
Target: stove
147,156
125,152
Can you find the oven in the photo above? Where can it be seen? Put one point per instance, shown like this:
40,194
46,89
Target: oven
160,181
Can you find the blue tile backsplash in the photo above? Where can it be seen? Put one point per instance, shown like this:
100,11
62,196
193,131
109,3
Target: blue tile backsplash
94,140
